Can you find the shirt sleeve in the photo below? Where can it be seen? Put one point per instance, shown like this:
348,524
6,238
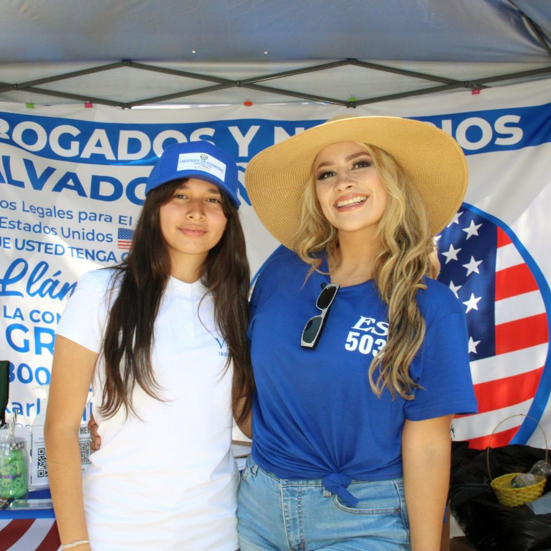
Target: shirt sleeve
253,303
444,372
85,315
267,278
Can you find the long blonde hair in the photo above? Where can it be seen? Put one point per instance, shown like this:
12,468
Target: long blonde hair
407,254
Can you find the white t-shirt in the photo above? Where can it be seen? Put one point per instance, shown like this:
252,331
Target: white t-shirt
165,480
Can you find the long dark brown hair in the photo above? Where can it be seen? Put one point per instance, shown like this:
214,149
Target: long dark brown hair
143,278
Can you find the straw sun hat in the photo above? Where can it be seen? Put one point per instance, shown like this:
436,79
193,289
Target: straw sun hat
276,177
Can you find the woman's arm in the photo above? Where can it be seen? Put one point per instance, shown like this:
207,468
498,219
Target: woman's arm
72,371
426,458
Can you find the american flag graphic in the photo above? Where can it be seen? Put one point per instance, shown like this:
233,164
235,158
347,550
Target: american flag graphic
506,319
125,237
28,535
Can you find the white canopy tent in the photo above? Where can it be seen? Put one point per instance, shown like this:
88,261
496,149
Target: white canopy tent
138,52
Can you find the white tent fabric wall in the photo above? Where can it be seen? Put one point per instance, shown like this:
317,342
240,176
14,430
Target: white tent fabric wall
465,40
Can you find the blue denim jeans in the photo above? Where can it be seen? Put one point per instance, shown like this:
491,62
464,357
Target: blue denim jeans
300,515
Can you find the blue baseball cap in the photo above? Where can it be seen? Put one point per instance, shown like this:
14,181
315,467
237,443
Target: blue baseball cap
201,160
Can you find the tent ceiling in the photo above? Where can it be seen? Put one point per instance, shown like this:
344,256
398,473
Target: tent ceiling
461,43
242,30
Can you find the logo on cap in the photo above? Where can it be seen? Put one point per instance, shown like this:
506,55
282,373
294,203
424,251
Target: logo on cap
202,162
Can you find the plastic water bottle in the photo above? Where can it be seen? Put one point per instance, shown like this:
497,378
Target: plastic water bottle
537,473
524,479
541,469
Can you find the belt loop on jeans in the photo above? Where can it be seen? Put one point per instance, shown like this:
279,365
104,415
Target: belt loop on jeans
254,469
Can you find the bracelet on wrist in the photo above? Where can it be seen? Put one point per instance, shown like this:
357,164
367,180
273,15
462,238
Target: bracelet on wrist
73,544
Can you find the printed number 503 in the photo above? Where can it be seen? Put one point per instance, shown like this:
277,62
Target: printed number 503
364,343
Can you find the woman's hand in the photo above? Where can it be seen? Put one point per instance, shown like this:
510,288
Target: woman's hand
95,438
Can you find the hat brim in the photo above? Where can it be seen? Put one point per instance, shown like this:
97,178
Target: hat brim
200,175
276,177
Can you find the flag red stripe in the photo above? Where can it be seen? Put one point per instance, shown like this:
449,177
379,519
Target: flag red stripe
502,393
513,281
502,238
498,439
13,532
523,333
51,541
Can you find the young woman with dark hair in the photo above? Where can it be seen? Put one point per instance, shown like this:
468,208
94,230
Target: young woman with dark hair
162,339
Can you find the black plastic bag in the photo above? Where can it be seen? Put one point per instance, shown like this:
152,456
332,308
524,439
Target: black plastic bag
488,525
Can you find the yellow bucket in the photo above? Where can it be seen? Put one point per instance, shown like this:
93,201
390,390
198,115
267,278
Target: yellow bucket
506,494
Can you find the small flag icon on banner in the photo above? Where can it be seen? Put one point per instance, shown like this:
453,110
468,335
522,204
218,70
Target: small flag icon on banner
125,237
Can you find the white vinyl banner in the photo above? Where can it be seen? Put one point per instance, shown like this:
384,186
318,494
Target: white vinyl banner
72,181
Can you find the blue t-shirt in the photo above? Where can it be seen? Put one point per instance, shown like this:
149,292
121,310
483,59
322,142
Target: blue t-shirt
314,414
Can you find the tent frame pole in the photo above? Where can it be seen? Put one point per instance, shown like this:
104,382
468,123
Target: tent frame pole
220,83
534,28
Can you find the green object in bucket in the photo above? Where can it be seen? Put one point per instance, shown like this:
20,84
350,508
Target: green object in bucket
13,469
13,462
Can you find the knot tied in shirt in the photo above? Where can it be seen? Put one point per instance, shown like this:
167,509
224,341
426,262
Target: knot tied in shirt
338,483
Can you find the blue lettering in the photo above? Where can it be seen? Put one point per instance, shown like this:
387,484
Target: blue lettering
11,277
49,287
221,342
70,181
15,315
7,170
37,182
47,343
25,374
17,327
43,381
131,190
44,339
95,191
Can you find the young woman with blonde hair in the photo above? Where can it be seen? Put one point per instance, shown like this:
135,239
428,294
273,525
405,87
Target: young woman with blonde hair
360,357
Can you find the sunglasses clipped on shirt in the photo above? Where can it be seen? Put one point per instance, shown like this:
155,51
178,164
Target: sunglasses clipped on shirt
314,326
